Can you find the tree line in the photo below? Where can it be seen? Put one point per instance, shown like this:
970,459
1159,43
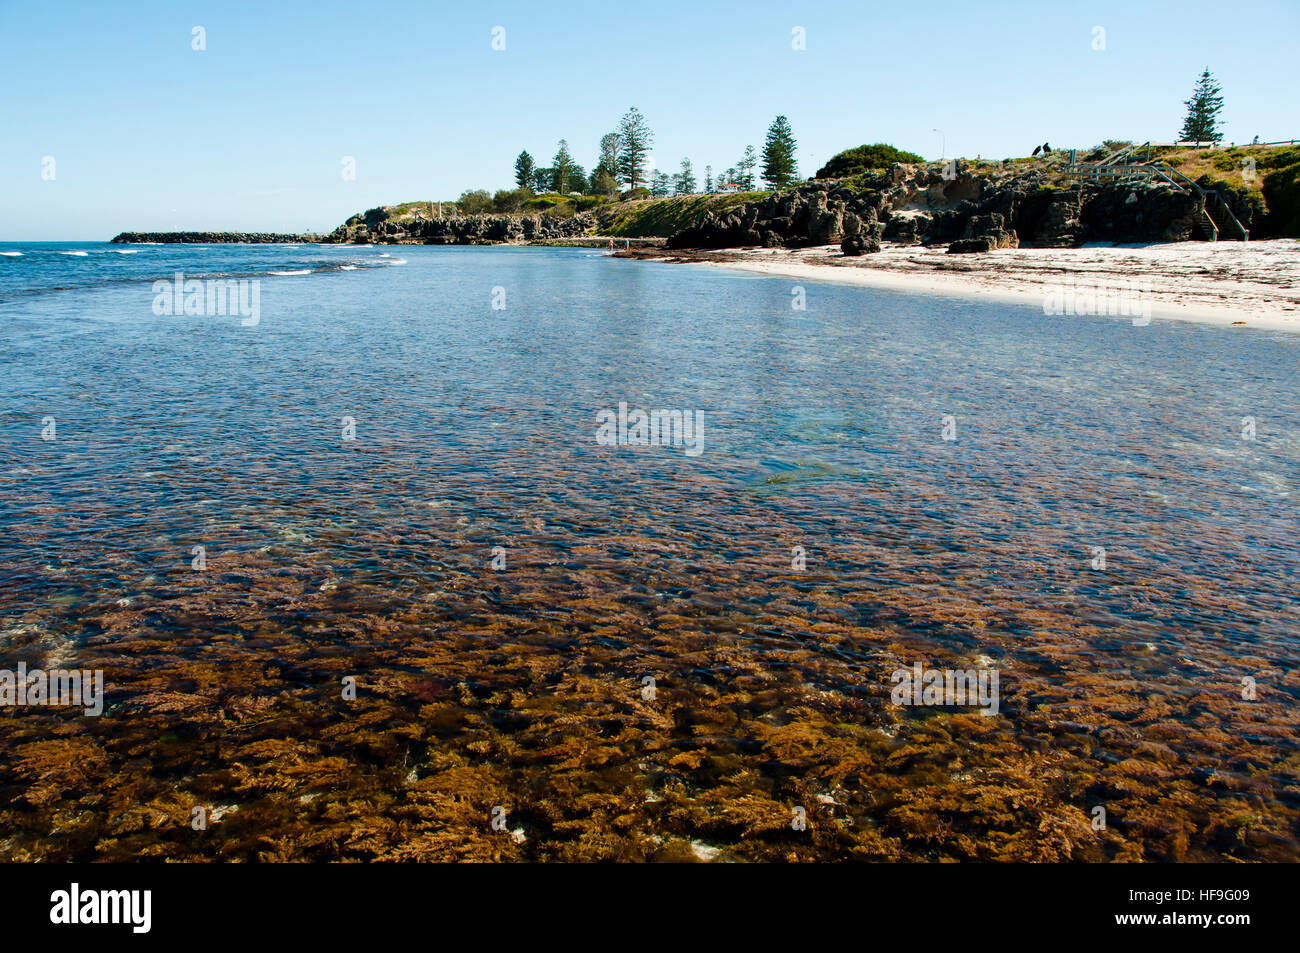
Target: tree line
623,163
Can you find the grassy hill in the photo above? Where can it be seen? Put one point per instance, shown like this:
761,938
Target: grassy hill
1272,187
1272,183
1274,179
660,218
639,218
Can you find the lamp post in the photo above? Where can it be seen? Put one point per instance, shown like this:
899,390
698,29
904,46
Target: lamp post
944,147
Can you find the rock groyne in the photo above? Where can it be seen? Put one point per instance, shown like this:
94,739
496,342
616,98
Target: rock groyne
211,238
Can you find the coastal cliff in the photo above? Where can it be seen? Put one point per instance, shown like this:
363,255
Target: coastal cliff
635,218
967,210
382,226
965,206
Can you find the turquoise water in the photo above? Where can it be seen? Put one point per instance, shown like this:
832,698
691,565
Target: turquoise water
475,428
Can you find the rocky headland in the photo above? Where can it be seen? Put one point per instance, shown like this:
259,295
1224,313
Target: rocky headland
379,226
963,209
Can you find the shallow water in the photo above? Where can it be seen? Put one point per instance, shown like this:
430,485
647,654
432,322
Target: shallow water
522,687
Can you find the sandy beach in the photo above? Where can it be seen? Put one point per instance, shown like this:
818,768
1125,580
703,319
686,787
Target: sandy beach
1255,285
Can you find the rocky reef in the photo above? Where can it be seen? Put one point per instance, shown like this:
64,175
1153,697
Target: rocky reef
959,207
816,214
210,238
377,226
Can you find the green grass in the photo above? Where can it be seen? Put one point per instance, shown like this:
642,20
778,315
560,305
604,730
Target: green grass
1275,182
562,206
660,218
407,210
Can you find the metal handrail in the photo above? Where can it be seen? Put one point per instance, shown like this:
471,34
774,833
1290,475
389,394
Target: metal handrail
1113,169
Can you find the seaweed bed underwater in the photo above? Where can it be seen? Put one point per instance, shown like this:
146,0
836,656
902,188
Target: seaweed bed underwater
523,689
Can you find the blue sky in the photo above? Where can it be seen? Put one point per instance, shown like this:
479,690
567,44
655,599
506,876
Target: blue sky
250,134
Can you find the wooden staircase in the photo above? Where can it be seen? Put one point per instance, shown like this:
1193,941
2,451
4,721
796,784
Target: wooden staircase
1209,231
1124,165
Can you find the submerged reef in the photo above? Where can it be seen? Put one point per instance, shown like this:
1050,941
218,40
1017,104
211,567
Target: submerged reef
523,695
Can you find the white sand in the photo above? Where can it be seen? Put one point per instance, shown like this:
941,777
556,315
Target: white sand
1255,283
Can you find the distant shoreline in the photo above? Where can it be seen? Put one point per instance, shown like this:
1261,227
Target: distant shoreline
268,238
212,238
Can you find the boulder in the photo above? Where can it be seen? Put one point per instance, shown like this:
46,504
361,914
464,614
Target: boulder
1060,226
907,229
981,243
861,235
826,227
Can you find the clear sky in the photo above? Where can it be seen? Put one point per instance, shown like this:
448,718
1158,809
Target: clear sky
249,134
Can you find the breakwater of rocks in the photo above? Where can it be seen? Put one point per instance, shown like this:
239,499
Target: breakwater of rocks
211,238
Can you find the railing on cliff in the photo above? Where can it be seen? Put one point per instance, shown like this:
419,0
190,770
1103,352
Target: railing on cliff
1136,162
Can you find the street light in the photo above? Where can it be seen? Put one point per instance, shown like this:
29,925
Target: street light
944,148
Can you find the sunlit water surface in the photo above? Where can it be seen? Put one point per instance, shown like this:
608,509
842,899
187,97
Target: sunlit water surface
826,536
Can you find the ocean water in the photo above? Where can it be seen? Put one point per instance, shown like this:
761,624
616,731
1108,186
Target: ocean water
638,652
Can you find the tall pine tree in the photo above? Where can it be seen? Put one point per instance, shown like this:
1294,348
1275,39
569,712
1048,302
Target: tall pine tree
609,152
686,179
1202,122
524,168
779,166
563,166
745,169
634,142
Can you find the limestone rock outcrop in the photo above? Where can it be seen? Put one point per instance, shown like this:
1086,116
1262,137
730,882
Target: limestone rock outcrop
953,205
374,227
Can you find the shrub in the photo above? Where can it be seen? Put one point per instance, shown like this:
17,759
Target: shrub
552,203
474,202
865,159
1282,191
512,200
